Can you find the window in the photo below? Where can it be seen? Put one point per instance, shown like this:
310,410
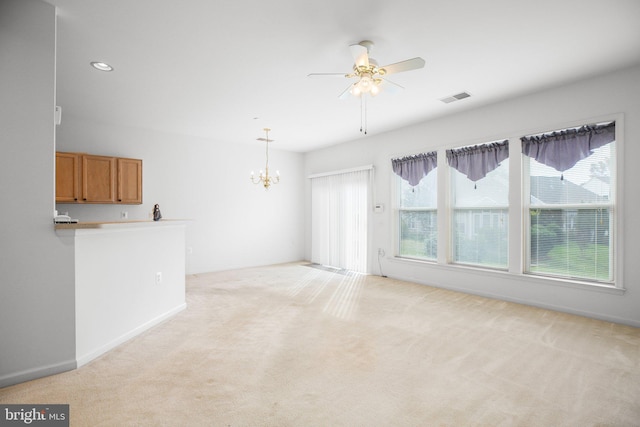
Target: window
570,188
562,186
418,218
480,204
417,206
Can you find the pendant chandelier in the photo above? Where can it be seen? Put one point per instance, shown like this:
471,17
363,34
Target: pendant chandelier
264,177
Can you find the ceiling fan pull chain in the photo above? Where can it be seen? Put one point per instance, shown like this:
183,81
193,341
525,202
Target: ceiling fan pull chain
365,115
360,114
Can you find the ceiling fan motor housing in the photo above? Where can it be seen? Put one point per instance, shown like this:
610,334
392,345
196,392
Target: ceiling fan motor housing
368,44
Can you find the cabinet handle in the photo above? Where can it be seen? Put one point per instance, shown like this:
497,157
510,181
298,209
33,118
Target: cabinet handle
84,199
75,199
119,200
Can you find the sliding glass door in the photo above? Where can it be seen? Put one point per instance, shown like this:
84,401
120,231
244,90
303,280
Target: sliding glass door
339,217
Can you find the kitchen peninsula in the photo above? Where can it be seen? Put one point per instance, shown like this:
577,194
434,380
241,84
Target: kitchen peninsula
129,276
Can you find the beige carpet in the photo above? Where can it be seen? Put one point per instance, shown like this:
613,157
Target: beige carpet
292,345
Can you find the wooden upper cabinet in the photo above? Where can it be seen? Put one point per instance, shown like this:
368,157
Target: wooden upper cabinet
86,178
98,179
129,181
67,177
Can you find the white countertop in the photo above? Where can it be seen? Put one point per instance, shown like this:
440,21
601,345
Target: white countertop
117,224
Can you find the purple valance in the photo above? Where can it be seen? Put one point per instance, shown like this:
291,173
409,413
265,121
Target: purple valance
563,149
477,161
413,168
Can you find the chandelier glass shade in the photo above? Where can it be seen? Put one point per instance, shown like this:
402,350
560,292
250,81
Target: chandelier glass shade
264,178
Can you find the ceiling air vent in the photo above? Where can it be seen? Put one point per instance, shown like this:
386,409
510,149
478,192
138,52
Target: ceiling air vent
456,97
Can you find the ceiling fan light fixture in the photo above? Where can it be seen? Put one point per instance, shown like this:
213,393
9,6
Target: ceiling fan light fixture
365,82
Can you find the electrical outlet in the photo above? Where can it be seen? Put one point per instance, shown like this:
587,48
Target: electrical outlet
158,278
380,252
124,215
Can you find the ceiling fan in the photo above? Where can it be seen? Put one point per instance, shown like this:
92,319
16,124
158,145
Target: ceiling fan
368,74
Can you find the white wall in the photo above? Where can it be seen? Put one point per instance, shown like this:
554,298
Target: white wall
606,95
36,268
233,223
116,269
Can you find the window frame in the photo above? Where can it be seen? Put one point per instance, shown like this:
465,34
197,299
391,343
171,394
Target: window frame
398,209
481,210
611,205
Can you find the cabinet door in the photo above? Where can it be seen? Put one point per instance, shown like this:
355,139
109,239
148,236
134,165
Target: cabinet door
129,181
67,177
98,179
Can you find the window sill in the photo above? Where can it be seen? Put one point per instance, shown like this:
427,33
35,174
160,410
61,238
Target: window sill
526,279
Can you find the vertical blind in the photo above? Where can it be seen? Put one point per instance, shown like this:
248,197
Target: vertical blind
339,211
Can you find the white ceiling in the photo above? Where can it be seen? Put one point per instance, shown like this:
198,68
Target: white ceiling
225,69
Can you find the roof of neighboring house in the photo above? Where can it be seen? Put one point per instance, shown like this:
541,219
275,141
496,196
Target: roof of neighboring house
553,190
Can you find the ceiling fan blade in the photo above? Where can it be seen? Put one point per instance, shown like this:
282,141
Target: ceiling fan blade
346,92
314,75
360,55
390,87
409,64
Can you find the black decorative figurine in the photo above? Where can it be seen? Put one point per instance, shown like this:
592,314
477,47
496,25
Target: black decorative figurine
157,216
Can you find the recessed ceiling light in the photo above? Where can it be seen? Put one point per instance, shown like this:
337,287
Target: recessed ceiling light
102,66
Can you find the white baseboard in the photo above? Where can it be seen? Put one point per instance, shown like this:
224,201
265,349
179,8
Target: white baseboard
82,360
538,304
35,373
45,371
